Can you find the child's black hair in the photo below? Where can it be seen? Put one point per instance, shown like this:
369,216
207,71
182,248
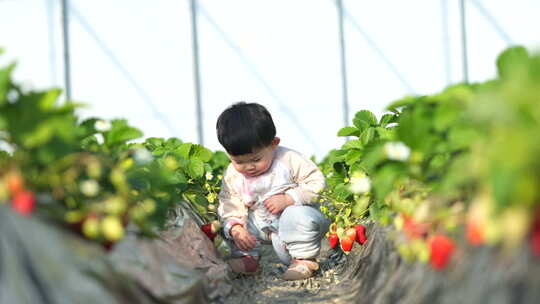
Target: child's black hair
245,127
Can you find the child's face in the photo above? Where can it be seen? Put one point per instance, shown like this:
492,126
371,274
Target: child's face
257,162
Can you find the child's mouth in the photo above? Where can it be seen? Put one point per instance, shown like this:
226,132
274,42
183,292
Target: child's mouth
251,174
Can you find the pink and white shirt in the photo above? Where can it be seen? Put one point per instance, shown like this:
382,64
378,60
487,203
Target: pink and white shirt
290,173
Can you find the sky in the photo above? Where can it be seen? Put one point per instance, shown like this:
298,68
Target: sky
133,58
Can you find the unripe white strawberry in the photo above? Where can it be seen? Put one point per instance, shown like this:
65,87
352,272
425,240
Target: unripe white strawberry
112,228
90,227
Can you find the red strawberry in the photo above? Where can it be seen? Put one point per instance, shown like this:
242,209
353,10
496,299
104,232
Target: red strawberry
346,244
414,229
534,241
351,233
24,202
15,184
207,229
333,239
474,233
441,248
360,234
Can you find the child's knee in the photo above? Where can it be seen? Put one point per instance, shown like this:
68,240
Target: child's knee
303,218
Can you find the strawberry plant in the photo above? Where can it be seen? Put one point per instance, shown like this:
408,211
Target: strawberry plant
460,161
348,197
90,174
197,172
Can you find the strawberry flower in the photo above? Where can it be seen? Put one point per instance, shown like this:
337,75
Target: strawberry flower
142,156
89,188
102,125
396,150
211,197
360,183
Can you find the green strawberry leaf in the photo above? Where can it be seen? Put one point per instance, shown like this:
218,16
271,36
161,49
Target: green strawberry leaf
342,192
348,131
201,153
387,119
385,179
152,143
367,136
172,143
352,144
219,160
184,150
48,100
5,83
510,60
352,156
385,134
195,168
120,133
406,101
364,119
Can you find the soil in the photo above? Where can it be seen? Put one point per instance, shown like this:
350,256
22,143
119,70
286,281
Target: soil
376,273
267,286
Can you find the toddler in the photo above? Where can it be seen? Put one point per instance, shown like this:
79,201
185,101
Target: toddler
268,195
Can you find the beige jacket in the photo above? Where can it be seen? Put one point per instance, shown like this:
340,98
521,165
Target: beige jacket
303,177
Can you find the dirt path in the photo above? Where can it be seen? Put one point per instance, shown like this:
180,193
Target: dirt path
268,287
376,273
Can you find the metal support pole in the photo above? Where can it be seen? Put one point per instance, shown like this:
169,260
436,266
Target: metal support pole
65,36
52,40
464,42
344,88
446,41
196,71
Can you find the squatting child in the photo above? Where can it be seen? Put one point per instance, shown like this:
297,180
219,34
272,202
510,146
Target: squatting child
269,194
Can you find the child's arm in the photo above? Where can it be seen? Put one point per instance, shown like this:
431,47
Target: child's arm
231,209
309,179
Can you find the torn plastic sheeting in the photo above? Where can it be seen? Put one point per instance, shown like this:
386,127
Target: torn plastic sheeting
41,263
375,273
180,258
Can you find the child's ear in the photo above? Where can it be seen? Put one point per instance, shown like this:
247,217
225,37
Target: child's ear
275,142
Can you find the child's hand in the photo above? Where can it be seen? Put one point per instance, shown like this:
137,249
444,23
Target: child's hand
244,240
277,203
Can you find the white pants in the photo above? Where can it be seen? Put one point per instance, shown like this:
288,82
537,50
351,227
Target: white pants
299,235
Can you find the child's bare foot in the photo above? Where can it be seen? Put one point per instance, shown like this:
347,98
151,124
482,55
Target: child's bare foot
300,269
244,265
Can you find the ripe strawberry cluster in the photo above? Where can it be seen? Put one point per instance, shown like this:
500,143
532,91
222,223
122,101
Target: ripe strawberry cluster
479,231
437,248
12,187
346,237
